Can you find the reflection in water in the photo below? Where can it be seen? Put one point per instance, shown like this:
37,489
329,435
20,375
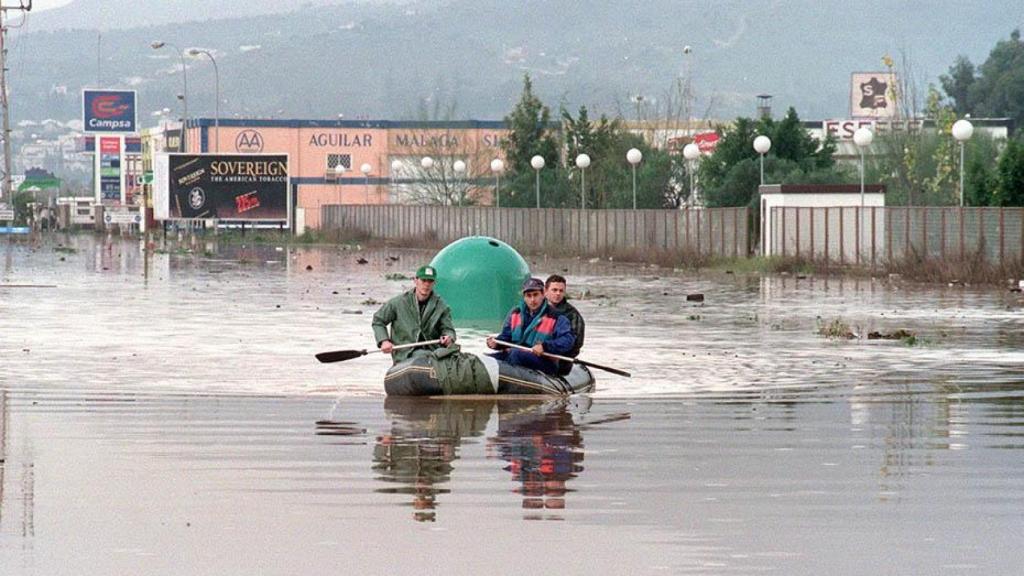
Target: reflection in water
544,450
538,438
416,454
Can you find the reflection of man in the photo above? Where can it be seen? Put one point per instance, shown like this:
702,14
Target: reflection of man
414,316
544,450
415,456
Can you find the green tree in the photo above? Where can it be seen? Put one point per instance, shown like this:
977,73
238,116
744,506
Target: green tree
994,89
731,175
1010,187
957,84
529,135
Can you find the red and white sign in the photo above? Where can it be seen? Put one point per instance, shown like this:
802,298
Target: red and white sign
706,141
843,129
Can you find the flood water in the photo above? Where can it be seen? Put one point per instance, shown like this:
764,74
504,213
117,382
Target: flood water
162,413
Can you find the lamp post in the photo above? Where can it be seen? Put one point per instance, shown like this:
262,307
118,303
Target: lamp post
634,157
582,162
396,167
216,83
366,169
460,168
862,138
691,152
156,45
538,164
497,167
339,171
762,144
962,131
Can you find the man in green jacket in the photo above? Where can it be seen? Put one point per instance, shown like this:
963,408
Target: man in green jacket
414,316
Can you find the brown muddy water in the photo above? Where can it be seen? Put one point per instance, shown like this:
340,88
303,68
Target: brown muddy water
162,413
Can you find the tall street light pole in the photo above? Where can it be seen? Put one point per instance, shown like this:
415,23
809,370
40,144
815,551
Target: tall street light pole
582,162
366,169
538,164
184,90
762,144
634,157
497,167
962,131
216,81
862,138
460,169
691,152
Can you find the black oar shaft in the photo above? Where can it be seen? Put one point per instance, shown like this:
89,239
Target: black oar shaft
568,359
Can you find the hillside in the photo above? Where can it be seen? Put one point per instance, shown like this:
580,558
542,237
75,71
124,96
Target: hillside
385,60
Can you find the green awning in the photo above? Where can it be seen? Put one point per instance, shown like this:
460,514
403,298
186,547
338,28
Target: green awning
39,184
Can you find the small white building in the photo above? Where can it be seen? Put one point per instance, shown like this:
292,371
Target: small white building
819,220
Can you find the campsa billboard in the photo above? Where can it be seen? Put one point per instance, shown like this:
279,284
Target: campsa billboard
109,111
240,187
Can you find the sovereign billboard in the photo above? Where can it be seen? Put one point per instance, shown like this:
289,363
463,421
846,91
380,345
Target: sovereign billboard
250,187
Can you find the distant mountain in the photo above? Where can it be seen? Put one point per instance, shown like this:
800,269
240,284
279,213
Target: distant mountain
389,60
121,14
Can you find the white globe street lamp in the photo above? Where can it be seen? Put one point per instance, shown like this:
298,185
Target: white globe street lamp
538,164
396,168
634,157
582,162
762,144
460,168
962,131
339,170
862,138
497,167
427,162
692,152
366,169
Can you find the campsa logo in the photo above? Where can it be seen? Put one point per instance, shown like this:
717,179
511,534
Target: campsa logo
109,106
249,141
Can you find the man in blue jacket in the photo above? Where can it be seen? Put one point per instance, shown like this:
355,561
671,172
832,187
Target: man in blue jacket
535,324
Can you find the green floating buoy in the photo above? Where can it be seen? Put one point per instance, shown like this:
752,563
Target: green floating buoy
480,278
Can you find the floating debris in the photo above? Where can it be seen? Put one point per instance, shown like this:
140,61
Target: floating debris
694,297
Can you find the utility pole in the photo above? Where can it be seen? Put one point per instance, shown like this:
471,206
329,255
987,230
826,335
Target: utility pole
5,191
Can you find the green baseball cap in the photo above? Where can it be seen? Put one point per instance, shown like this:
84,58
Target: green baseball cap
427,273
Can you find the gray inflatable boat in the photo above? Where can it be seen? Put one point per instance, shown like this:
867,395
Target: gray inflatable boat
417,376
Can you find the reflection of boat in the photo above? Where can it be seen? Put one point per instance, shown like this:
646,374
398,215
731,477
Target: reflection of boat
539,440
417,376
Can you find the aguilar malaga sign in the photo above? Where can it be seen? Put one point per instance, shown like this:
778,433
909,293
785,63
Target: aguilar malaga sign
249,187
109,111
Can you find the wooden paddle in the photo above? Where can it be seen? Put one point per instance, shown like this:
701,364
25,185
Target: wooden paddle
568,359
342,355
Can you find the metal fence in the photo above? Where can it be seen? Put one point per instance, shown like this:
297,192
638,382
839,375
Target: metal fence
710,232
850,235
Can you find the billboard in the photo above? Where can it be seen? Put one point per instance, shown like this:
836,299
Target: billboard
109,111
873,95
241,187
109,175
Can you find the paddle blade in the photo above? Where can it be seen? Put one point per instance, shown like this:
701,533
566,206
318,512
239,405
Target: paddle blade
339,355
605,368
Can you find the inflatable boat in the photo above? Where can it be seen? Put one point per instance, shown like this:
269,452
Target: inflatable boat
418,376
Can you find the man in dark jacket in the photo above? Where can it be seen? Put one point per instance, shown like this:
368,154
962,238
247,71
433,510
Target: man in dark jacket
554,292
533,323
414,316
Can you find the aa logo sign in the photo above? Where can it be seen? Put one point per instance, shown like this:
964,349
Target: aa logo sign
249,141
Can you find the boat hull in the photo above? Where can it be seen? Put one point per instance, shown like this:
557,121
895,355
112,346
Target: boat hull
416,377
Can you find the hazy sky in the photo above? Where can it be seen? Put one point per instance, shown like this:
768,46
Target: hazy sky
38,5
